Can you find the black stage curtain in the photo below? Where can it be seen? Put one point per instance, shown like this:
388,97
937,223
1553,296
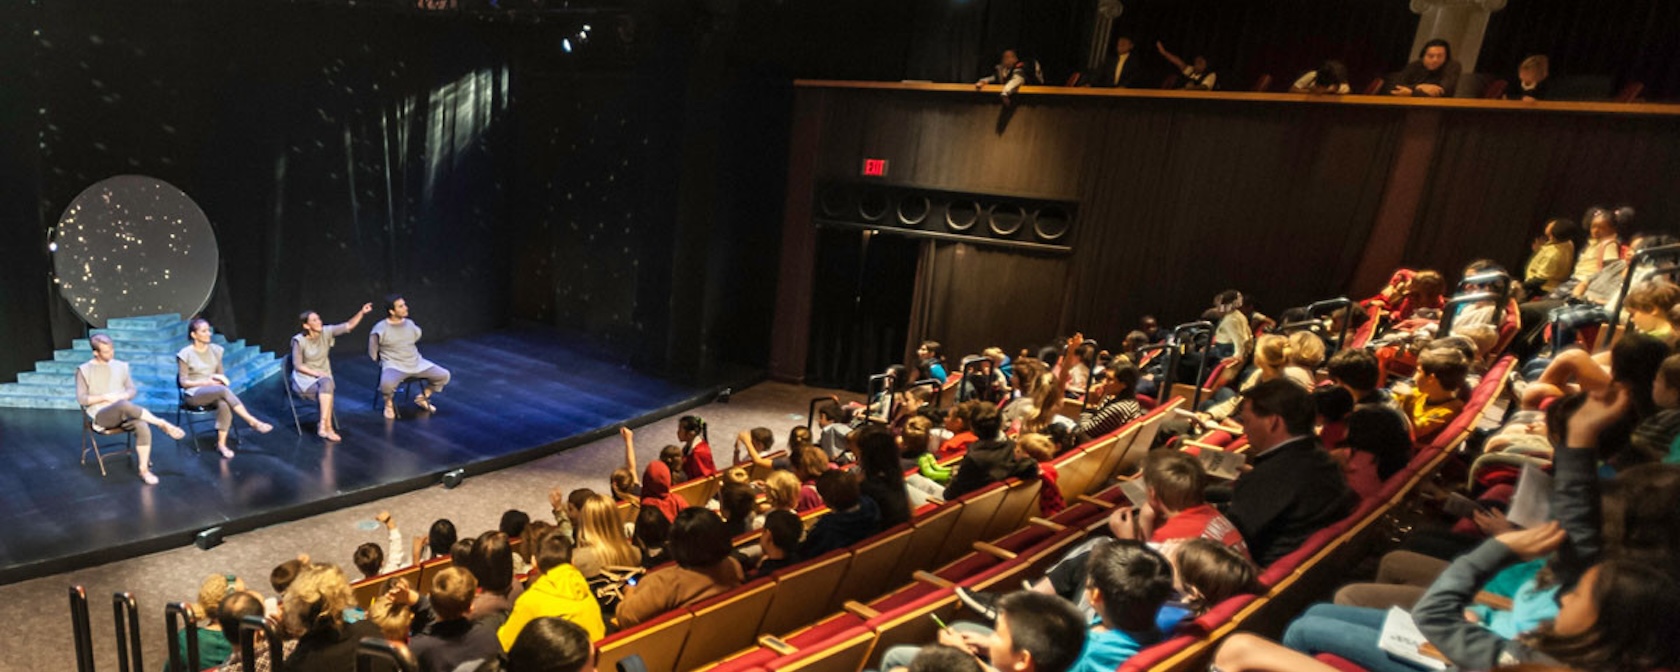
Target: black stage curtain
1617,42
1498,177
1283,38
860,305
24,265
1182,201
970,297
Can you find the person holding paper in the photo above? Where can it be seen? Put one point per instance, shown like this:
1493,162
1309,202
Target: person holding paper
1173,507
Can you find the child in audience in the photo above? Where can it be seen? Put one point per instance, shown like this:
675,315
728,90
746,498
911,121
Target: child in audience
454,638
1436,398
758,442
784,492
652,528
1176,508
1038,448
1660,434
560,591
990,459
214,647
1208,572
392,615
928,362
436,542
1377,444
696,452
513,525
930,478
1306,350
370,559
832,431
779,541
851,516
957,423
655,488
1127,584
600,539
735,503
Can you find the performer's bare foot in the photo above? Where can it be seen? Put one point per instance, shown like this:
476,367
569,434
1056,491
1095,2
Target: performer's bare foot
148,478
225,451
174,432
329,435
262,427
425,402
390,411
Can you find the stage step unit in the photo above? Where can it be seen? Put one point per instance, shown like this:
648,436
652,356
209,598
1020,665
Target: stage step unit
148,343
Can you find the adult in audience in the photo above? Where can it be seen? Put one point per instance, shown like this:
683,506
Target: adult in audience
1034,633
1295,488
704,568
1197,75
1119,70
851,518
453,637
1114,391
560,591
883,477
990,459
394,343
104,390
600,539
545,645
1331,77
204,382
1554,253
1434,74
1011,72
234,609
1531,79
312,375
313,613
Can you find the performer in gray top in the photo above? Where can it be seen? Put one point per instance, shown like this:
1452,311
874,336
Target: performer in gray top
392,344
200,374
312,368
104,388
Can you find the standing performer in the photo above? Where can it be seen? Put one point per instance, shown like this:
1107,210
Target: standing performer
392,344
312,367
200,374
104,388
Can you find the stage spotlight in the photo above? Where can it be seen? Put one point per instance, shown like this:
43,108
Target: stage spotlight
566,44
208,539
454,478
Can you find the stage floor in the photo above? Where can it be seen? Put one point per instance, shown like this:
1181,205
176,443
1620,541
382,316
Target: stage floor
516,395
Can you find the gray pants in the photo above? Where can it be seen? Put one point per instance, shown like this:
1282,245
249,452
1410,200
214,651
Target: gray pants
224,400
125,415
322,385
901,655
435,376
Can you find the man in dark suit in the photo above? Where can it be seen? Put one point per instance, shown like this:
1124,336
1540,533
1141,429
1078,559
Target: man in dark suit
1295,488
1121,69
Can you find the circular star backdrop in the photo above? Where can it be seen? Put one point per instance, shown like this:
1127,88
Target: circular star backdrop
134,245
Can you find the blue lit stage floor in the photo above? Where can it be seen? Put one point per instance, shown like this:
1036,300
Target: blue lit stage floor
517,395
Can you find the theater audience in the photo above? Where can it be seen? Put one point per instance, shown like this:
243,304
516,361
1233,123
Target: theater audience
1119,70
655,490
1208,572
696,451
234,609
560,591
653,529
1435,73
928,362
314,615
1531,79
1554,253
704,569
1197,76
1295,488
453,637
882,475
372,561
990,459
779,541
545,645
1033,632
1331,77
214,647
491,562
832,431
1011,72
1039,448
1111,403
600,539
1437,394
851,516
1176,509
436,542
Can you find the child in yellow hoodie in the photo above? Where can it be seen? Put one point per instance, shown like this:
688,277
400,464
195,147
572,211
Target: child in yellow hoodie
560,591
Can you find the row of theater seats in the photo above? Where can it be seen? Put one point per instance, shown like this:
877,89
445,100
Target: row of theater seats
880,592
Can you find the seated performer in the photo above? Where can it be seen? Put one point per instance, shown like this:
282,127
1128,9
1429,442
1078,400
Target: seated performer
104,388
392,344
200,375
312,368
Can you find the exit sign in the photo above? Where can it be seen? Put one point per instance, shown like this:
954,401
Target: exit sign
875,167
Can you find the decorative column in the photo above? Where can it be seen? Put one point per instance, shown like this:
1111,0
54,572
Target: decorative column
1460,22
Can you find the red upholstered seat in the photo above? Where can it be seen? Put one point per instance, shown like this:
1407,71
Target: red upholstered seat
1155,655
1338,662
1220,614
